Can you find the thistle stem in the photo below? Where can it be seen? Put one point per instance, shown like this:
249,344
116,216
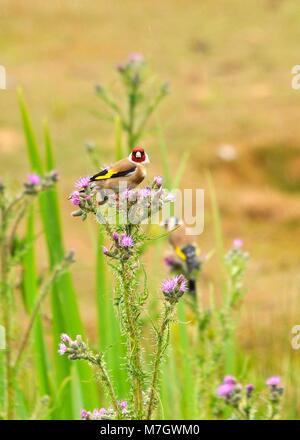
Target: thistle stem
160,349
133,340
6,307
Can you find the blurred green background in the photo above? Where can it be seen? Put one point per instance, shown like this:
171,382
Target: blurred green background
232,106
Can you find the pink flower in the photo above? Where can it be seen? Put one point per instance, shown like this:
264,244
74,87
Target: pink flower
62,349
65,338
115,236
135,57
123,404
34,179
105,250
82,183
158,181
102,412
169,261
85,415
75,198
273,381
249,389
225,389
237,244
178,283
144,193
126,241
229,380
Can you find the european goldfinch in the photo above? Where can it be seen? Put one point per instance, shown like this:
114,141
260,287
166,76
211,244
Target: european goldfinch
186,253
130,170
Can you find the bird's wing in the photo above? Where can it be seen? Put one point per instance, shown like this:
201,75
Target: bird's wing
113,172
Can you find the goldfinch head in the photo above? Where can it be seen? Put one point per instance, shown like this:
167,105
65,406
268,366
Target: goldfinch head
138,155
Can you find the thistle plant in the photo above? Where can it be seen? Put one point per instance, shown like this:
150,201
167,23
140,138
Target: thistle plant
122,217
216,325
244,402
140,104
13,248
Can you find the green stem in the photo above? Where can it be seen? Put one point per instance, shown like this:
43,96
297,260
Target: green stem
133,340
160,349
6,307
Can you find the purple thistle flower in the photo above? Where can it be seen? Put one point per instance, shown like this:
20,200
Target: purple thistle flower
178,283
65,338
135,57
105,250
126,241
62,349
225,389
102,412
85,415
144,192
34,179
115,236
169,261
82,183
273,381
249,389
181,283
168,286
75,198
229,380
158,181
123,404
237,244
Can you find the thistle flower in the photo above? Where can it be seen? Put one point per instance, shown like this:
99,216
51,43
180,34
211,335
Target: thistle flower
85,415
225,389
135,57
65,338
158,181
75,198
174,288
33,179
170,198
229,380
105,250
237,244
82,183
126,241
62,349
249,389
169,261
115,236
273,381
123,405
144,193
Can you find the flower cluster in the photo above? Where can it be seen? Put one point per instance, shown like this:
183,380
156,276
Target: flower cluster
36,183
75,349
104,413
174,288
134,205
241,397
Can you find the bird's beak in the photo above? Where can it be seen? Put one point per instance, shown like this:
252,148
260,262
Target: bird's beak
147,160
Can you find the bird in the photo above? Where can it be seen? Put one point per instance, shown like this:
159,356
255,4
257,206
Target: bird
127,173
186,252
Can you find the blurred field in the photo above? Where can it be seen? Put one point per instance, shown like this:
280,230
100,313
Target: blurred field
229,65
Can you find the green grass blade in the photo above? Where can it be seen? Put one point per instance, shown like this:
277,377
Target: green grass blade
64,307
180,170
30,294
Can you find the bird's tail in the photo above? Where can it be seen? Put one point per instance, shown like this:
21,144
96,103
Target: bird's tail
192,286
